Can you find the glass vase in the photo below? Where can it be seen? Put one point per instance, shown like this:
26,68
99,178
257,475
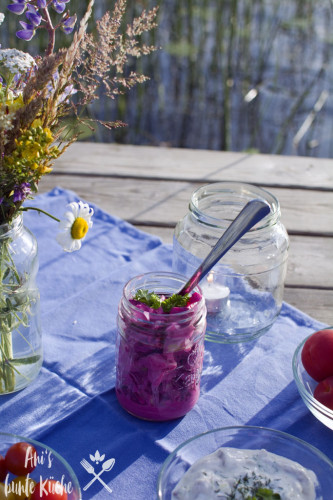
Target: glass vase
20,332
159,357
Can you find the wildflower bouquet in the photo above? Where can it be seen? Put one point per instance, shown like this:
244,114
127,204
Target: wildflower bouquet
36,94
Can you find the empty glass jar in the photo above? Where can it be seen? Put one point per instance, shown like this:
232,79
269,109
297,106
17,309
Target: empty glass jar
244,291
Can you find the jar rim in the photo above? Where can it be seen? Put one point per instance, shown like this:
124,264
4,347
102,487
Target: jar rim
242,193
149,279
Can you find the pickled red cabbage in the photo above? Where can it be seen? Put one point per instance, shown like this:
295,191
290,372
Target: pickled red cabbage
160,359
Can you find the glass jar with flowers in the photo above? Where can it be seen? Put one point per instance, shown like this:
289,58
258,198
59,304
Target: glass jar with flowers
36,94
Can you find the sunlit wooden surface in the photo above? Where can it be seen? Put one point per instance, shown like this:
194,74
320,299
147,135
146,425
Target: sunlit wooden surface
151,187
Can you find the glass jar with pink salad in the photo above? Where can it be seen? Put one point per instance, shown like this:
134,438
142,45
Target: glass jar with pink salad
160,347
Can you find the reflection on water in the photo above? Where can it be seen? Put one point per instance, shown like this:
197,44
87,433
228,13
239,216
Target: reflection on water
237,75
230,75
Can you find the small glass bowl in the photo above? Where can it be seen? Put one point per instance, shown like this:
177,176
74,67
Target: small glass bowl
50,465
306,386
245,437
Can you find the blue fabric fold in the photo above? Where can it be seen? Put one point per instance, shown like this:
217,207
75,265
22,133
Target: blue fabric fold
72,406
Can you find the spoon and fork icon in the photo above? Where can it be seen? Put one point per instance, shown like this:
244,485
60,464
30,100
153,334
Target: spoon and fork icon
106,466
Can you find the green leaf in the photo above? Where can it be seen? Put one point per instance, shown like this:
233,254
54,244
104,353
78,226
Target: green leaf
150,298
6,273
25,361
175,301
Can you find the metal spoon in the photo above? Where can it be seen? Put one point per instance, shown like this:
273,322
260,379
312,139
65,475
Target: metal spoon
253,212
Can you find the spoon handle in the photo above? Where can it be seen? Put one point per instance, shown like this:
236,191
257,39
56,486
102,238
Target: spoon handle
253,212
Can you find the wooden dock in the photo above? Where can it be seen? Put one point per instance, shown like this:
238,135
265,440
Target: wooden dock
151,186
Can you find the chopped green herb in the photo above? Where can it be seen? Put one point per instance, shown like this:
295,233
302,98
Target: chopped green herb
264,494
267,494
174,301
149,298
154,301
253,488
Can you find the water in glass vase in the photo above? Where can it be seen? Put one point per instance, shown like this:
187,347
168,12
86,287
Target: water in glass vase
20,332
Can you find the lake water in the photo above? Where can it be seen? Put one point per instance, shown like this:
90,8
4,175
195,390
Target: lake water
240,75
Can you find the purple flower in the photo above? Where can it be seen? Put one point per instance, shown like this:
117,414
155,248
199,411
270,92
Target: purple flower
68,24
1,200
41,4
21,192
33,16
59,6
27,33
18,6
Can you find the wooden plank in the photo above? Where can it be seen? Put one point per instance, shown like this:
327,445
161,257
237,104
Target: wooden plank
306,212
276,170
310,262
302,211
316,303
125,198
166,202
144,161
196,165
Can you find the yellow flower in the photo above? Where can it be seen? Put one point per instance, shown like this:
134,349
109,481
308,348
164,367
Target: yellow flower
44,169
31,151
36,123
48,134
15,104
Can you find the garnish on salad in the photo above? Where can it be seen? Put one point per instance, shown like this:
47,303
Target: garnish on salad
149,298
253,488
155,301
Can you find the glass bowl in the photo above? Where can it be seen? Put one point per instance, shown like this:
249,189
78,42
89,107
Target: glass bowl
50,465
245,437
306,385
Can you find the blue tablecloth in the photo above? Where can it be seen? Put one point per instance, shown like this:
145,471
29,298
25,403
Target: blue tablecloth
72,406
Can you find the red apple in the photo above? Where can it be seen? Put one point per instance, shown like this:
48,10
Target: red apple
324,392
317,355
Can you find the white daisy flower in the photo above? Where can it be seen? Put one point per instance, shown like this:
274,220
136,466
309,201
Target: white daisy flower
77,221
